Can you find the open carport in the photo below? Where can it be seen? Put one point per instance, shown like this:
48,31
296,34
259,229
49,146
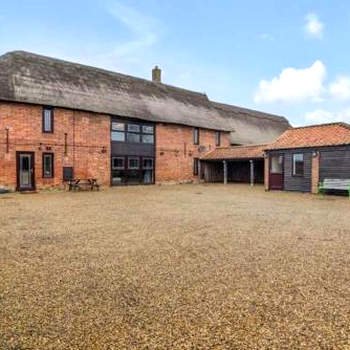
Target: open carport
237,164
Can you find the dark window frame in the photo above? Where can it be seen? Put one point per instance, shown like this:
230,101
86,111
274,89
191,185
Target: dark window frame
140,133
217,138
195,166
196,136
139,162
51,109
118,168
293,165
52,174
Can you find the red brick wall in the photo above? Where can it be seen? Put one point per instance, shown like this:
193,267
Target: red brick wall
87,134
175,151
267,172
315,173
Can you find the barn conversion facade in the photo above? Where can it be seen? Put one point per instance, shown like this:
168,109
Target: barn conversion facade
61,120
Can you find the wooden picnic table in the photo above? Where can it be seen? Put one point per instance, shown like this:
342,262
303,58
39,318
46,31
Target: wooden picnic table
83,184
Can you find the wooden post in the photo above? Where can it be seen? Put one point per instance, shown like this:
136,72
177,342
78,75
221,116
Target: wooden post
225,172
251,172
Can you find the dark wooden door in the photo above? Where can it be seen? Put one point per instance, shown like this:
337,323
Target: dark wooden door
276,172
25,171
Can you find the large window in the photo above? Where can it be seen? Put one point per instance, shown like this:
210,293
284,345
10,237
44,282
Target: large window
298,164
132,132
47,122
277,164
196,136
48,165
132,170
217,138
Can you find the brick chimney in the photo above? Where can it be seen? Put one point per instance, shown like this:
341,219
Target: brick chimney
156,75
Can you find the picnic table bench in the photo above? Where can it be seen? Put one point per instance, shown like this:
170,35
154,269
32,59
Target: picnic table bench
83,184
334,184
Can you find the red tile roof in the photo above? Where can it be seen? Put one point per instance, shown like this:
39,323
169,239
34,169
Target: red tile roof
313,136
236,152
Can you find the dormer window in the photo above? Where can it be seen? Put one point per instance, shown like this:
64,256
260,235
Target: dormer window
47,120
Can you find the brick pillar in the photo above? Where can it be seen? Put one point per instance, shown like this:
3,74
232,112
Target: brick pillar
266,172
315,172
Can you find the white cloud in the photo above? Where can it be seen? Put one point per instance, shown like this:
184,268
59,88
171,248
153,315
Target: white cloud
142,27
320,116
266,36
293,85
314,27
340,89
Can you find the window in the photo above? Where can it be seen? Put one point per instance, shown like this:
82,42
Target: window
118,136
118,163
48,165
196,136
134,127
68,173
147,129
195,166
133,137
132,133
147,163
277,164
47,120
147,138
118,126
134,163
217,138
298,164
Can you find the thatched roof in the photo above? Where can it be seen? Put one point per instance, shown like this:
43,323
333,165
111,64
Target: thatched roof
251,127
31,78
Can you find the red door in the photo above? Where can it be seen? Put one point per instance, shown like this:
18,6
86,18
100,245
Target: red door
276,172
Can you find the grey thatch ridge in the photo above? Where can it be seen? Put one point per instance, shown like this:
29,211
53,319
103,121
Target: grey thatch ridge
31,78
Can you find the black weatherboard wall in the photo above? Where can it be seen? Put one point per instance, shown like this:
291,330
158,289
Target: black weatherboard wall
335,163
296,183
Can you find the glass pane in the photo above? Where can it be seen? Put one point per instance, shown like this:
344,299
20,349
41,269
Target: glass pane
147,176
25,171
118,126
47,119
134,177
147,129
147,138
298,164
276,164
47,165
118,136
117,163
133,137
134,163
134,127
118,177
148,163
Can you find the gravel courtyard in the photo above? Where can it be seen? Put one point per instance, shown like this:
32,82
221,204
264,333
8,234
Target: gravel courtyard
174,267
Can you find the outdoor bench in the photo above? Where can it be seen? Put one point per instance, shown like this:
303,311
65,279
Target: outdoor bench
83,184
334,184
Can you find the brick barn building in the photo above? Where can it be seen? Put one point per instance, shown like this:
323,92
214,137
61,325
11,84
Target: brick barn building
62,120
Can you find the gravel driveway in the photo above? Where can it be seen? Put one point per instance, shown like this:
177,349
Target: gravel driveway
174,267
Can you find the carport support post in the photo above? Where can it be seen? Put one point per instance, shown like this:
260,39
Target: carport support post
225,172
251,172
